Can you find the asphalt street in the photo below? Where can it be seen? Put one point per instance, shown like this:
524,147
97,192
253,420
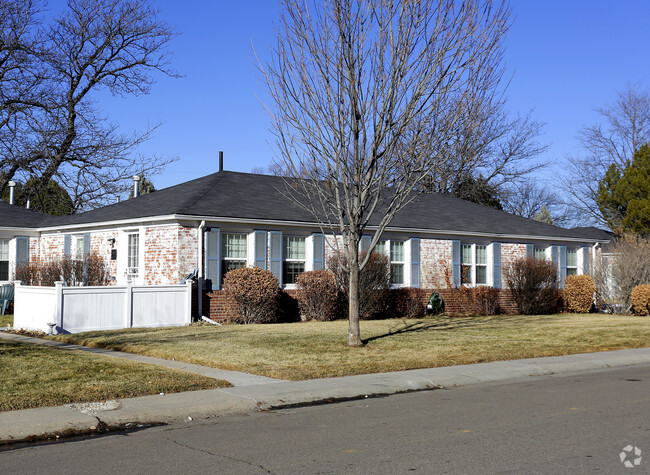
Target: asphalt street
548,424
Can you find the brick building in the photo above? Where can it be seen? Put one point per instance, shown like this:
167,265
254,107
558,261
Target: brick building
229,219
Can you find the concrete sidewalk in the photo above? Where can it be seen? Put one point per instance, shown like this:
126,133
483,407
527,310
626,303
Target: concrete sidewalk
50,422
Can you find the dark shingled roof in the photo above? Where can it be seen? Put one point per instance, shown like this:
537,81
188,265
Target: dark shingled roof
18,217
243,195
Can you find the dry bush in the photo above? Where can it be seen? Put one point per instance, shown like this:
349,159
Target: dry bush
486,300
255,293
534,285
640,297
318,295
405,303
579,293
626,266
91,270
374,283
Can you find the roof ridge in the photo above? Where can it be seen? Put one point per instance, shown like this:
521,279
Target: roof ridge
219,176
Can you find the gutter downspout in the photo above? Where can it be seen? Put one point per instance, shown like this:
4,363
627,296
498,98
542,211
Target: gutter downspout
199,283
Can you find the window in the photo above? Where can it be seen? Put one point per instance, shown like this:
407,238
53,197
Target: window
473,269
133,255
466,264
481,265
571,262
540,253
78,248
233,250
380,248
397,262
4,260
294,258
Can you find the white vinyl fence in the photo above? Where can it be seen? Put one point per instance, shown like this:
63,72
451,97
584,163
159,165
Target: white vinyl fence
80,309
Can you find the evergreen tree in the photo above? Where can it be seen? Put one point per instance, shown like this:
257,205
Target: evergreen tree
624,195
544,216
52,199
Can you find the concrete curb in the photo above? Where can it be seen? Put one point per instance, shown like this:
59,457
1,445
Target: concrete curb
51,422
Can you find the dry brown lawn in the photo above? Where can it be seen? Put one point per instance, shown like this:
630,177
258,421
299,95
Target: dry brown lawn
34,376
317,349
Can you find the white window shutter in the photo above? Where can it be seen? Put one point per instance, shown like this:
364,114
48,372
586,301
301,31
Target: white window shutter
586,260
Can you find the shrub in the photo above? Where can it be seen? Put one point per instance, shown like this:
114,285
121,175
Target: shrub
317,295
486,300
640,297
374,283
254,292
579,293
625,266
91,270
405,303
534,285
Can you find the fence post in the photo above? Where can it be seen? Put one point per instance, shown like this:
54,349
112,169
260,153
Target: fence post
188,302
129,307
58,307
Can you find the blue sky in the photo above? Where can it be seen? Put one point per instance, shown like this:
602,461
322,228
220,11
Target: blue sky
567,58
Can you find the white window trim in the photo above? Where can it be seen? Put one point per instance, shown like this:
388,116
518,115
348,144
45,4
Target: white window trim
9,259
123,255
489,265
406,262
284,258
246,259
579,264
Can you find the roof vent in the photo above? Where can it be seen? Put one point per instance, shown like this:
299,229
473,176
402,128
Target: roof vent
12,185
220,160
136,186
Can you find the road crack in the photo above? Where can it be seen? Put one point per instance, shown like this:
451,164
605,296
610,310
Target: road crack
251,464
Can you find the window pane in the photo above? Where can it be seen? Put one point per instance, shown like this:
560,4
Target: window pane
78,247
231,264
481,255
465,274
234,246
396,251
540,253
571,258
4,270
380,248
467,254
571,271
397,277
4,250
292,270
133,251
294,247
481,274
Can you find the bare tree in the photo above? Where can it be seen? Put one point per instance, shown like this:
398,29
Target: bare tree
367,98
529,198
95,45
626,127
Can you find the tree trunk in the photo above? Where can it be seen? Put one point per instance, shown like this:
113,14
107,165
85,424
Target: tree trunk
354,331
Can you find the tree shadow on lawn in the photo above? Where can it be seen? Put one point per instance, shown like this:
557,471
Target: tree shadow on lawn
454,323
